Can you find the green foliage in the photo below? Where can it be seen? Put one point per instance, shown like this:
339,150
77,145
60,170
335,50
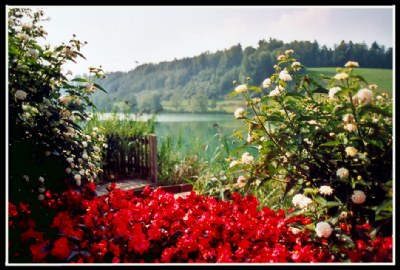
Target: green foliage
48,148
303,138
213,73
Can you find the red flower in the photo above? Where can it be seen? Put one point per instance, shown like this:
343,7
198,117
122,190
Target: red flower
224,253
12,210
61,248
146,191
31,233
138,242
38,252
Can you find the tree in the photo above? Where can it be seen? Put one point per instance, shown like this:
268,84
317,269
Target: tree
151,103
199,102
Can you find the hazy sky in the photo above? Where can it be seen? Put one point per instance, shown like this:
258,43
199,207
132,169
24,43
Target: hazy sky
118,36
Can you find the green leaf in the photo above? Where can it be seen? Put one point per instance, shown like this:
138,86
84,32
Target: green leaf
355,138
239,149
294,213
81,55
320,89
332,204
79,80
295,95
233,93
360,78
255,88
274,118
321,201
100,87
331,143
386,205
266,98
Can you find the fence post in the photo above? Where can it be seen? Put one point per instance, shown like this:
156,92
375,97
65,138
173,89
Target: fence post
153,158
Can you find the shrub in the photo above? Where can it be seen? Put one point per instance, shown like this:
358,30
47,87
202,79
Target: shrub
48,149
333,148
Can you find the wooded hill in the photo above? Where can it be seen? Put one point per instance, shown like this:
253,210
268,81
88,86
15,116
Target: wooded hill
210,75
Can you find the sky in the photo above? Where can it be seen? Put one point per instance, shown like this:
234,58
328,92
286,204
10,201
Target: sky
122,37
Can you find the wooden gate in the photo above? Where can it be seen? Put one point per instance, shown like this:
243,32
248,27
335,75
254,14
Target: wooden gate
131,157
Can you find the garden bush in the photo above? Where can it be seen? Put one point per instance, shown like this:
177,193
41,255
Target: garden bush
328,151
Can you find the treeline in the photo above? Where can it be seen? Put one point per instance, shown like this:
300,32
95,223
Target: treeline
210,75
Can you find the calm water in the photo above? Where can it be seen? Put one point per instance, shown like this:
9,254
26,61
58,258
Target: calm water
194,129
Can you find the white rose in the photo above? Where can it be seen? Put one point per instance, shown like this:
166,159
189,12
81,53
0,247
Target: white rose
233,163
19,94
296,66
325,190
323,229
341,76
241,181
333,91
358,197
77,177
350,127
351,151
351,64
365,95
280,57
343,173
266,83
41,179
301,201
239,113
284,75
34,53
247,158
241,88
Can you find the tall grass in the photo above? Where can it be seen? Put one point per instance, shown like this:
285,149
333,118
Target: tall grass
124,125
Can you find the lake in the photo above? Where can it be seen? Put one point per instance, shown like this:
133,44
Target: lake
195,129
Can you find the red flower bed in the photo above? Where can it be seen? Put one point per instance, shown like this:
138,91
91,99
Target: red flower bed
156,227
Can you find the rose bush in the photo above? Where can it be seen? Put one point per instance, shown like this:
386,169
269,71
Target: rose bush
157,228
330,149
48,149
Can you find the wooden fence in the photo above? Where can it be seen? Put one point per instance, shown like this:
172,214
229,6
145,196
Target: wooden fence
131,157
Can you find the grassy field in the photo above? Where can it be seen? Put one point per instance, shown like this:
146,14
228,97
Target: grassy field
380,77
